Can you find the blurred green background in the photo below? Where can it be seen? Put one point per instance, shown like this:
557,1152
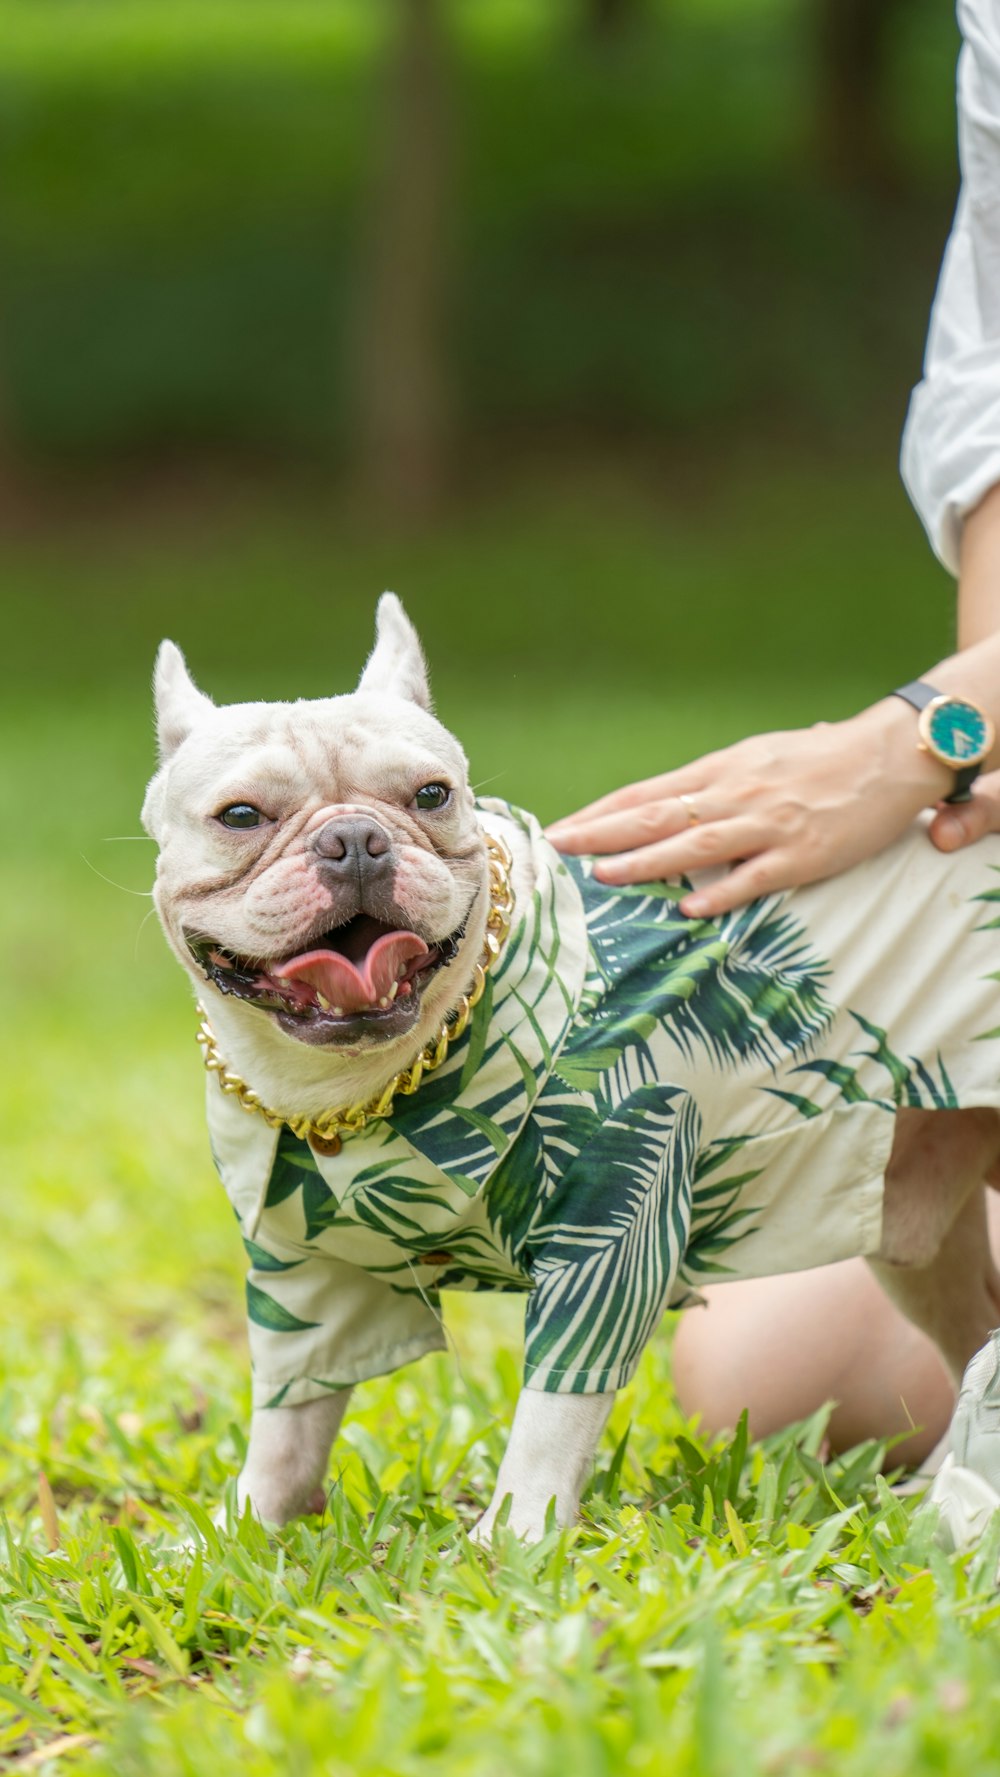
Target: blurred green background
586,325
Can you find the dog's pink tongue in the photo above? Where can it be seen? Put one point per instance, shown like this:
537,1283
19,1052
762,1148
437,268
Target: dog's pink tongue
344,985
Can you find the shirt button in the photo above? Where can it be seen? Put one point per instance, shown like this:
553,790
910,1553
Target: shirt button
325,1144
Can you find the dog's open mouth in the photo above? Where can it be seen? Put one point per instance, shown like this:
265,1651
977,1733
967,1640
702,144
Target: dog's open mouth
361,975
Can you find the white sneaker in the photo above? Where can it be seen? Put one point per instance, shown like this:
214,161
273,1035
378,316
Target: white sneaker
966,1490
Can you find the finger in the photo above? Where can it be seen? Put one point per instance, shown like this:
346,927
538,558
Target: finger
685,779
962,823
762,875
627,829
952,828
696,848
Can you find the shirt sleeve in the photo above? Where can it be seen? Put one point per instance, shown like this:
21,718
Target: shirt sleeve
951,441
318,1324
608,1243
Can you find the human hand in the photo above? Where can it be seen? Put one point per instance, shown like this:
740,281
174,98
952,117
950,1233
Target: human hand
962,823
781,809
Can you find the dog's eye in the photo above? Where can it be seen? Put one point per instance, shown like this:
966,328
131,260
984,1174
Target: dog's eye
432,796
241,814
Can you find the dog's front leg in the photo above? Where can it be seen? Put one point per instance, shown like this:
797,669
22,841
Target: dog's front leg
548,1457
287,1456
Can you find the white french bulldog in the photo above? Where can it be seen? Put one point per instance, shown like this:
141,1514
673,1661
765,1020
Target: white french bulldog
636,1099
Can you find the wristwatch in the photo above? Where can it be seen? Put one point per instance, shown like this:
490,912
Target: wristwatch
953,730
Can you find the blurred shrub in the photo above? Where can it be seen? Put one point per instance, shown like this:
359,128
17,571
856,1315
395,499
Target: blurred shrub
645,239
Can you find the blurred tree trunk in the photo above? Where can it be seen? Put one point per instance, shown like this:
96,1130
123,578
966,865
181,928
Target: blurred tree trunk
403,362
612,18
855,55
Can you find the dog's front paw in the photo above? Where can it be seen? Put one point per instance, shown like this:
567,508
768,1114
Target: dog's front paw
274,1501
528,1520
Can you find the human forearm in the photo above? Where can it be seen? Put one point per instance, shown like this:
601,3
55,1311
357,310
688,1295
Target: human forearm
976,666
979,581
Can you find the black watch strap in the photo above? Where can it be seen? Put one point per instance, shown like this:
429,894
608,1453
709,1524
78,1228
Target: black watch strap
920,694
965,779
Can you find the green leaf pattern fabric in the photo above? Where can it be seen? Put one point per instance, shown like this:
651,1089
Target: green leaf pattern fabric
642,1102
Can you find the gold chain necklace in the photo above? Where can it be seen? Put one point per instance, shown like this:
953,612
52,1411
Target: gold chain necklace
326,1130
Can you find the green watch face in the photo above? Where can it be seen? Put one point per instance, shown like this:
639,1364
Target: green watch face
958,733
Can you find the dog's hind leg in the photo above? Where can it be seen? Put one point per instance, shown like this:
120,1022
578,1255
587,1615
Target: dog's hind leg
955,1299
287,1456
935,1261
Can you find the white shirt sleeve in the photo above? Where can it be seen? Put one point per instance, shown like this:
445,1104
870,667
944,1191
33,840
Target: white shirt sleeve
951,441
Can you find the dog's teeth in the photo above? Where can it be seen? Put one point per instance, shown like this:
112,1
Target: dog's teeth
324,1003
384,1001
394,989
338,1011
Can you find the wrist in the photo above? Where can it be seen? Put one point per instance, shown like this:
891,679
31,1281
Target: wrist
887,731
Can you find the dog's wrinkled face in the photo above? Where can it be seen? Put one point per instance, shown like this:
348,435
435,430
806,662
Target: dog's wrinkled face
319,861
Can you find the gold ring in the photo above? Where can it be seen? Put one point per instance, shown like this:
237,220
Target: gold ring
689,808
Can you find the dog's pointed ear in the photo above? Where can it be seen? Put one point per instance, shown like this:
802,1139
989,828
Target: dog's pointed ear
179,703
396,663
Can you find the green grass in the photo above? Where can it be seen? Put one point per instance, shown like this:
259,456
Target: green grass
714,1612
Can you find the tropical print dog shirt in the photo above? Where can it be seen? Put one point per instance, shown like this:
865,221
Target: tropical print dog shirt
641,1102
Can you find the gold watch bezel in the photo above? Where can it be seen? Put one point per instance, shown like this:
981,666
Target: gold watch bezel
928,744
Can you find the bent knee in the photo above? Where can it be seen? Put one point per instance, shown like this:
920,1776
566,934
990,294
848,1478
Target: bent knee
704,1381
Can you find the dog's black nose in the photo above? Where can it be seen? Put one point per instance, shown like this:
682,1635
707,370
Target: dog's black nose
353,845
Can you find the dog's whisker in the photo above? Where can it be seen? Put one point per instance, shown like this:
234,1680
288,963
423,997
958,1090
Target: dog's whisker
120,838
143,894
143,923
